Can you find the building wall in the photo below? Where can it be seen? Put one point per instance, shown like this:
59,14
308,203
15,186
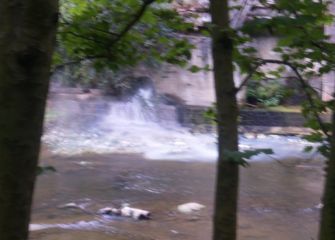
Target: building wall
191,88
328,85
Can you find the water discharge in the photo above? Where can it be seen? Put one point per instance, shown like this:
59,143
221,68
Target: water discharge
100,150
136,126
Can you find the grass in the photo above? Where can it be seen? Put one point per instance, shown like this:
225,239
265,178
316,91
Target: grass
288,109
294,109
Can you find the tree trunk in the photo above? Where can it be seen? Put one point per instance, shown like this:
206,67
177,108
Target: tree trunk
327,226
225,216
27,32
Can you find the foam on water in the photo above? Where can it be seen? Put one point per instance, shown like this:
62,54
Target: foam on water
81,225
155,142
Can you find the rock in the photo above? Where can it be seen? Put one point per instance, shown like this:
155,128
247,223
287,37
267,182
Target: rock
190,207
319,206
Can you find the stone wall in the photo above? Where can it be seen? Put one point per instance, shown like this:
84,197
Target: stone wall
190,116
192,88
271,119
92,106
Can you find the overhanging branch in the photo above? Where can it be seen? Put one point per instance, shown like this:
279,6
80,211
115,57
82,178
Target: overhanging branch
303,84
135,19
118,36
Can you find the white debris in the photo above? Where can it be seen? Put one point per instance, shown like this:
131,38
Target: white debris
190,207
37,227
84,163
70,205
319,206
135,213
126,211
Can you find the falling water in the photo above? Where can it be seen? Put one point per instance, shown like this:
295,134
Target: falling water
137,111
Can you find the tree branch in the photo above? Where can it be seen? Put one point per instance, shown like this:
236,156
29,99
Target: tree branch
85,37
248,77
118,36
135,19
77,61
306,88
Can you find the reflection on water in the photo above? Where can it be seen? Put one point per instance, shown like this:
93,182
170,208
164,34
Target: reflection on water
277,200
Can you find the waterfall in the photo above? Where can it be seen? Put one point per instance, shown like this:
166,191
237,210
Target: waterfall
138,110
139,124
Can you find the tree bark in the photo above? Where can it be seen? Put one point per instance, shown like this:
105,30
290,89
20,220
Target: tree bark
327,225
226,196
27,32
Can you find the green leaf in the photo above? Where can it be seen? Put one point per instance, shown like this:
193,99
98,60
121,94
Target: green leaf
308,149
44,169
314,137
241,157
195,69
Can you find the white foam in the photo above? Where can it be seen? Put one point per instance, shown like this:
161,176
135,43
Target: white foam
81,225
133,127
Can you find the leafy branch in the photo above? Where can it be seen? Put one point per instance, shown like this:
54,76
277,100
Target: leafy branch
116,37
308,90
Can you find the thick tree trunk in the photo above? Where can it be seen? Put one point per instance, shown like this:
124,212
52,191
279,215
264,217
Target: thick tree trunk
327,226
27,31
226,197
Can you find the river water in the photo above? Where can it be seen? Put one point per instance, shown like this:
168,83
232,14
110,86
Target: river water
118,159
277,200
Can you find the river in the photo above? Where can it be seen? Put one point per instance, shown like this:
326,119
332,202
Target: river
278,200
110,153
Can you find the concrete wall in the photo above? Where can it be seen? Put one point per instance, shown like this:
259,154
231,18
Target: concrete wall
328,86
198,88
191,88
191,116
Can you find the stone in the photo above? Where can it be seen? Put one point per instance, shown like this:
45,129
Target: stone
319,206
190,207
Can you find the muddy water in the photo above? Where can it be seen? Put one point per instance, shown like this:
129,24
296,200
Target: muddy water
278,200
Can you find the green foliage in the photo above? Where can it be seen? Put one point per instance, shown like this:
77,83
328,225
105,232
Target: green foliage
267,93
308,149
211,114
118,34
121,33
195,68
300,27
45,169
242,157
303,48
